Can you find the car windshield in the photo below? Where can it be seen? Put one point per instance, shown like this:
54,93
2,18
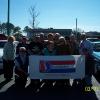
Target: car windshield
97,47
2,44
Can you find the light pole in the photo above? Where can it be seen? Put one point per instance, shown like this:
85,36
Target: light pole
8,18
76,27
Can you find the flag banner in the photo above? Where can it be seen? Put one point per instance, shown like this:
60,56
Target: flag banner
57,67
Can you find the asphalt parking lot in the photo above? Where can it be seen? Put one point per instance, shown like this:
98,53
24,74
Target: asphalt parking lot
8,91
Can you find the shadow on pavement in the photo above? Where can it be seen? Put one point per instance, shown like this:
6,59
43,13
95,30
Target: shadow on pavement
1,71
97,76
48,93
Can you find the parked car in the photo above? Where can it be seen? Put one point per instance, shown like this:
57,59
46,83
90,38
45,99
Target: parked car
2,43
96,52
96,55
93,39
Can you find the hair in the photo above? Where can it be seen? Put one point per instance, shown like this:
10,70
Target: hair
50,34
41,34
11,38
67,38
72,35
58,34
83,35
22,49
62,39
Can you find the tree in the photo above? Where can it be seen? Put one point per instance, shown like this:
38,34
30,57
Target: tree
78,33
17,29
4,29
0,27
26,29
18,36
11,28
34,14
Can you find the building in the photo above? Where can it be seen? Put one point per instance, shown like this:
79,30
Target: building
63,32
93,34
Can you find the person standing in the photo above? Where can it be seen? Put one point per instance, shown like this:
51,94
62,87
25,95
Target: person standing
23,43
86,49
9,53
63,49
74,51
36,46
74,45
49,51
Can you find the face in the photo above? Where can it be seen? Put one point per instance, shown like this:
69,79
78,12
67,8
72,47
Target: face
67,39
41,37
37,39
11,40
22,53
24,40
50,46
83,37
61,42
50,37
72,38
56,37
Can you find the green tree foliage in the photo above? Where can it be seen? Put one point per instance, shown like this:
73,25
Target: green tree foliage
18,36
26,29
12,28
17,29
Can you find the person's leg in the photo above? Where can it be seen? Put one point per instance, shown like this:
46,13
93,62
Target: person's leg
6,69
89,70
19,82
11,66
67,81
74,82
35,84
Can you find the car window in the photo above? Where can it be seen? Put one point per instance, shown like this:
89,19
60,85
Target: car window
93,40
97,47
2,44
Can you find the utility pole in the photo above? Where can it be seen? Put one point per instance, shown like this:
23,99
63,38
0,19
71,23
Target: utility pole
8,18
76,27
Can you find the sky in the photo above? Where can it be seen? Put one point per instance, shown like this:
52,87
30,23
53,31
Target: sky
54,13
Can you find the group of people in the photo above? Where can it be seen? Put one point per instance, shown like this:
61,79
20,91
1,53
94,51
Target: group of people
17,56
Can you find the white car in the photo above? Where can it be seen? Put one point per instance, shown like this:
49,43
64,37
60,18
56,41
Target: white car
2,43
